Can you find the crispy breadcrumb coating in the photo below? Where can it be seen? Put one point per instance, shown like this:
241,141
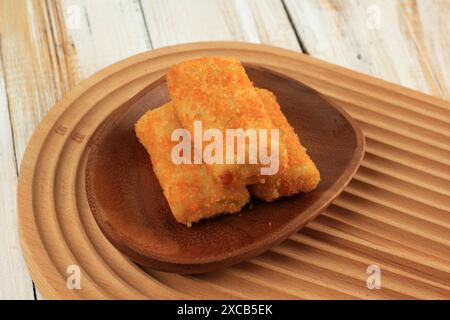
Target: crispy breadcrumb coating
218,92
298,172
190,189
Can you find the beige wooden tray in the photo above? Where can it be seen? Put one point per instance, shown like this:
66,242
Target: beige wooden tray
394,214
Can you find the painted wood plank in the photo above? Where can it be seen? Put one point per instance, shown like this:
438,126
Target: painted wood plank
15,282
428,21
382,38
57,45
259,21
33,79
102,32
34,65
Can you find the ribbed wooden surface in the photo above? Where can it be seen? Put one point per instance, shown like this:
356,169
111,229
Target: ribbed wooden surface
394,214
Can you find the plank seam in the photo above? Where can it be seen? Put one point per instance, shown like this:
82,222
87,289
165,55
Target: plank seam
141,8
34,291
297,35
8,105
59,21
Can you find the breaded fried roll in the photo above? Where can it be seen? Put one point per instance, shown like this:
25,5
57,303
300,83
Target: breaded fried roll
217,92
297,173
190,189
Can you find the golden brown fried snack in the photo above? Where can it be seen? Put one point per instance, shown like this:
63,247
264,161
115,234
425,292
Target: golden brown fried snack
190,190
218,92
297,173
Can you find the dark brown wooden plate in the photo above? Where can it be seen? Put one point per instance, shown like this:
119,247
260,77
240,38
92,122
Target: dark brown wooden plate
131,210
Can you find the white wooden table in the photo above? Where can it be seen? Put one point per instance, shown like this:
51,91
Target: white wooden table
47,47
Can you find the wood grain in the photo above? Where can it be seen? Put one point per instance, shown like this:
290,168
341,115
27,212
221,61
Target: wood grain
108,31
398,41
34,68
397,222
173,21
43,57
14,278
426,21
